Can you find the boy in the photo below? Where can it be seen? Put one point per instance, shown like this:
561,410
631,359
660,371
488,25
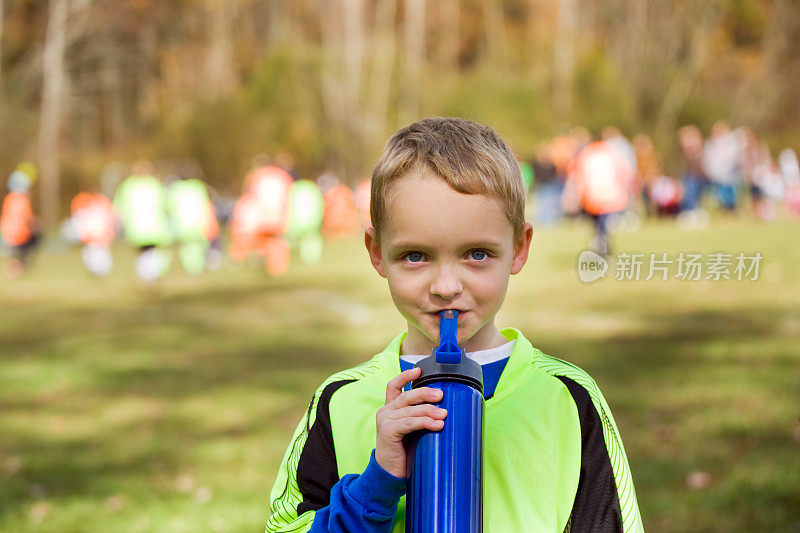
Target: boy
448,229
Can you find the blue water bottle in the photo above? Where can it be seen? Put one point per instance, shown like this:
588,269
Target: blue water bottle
445,491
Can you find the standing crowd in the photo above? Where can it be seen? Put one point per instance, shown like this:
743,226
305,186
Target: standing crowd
612,180
617,181
162,215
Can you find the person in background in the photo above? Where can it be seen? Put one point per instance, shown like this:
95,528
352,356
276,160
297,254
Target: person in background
721,163
790,172
94,220
626,149
188,204
341,216
601,180
261,217
306,209
528,175
770,187
547,190
141,204
690,144
19,227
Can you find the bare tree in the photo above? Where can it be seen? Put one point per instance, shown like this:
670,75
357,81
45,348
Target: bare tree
564,57
332,91
1,42
414,46
280,29
221,77
636,47
353,63
687,69
111,79
449,34
383,55
51,110
495,30
767,89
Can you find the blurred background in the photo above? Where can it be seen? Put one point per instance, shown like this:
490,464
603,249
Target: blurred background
183,194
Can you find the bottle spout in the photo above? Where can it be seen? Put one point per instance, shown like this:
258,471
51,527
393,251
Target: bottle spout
448,351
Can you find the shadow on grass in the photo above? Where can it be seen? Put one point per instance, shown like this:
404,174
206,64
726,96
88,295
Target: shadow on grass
712,392
671,384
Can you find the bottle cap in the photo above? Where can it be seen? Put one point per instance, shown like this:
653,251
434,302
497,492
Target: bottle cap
448,362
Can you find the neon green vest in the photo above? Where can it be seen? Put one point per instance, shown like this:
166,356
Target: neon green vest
189,209
306,207
140,202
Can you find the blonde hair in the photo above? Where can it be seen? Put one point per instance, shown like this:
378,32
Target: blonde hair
471,158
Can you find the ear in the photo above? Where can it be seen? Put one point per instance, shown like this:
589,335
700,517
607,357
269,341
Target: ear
521,248
374,250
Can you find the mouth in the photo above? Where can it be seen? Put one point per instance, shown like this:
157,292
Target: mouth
461,313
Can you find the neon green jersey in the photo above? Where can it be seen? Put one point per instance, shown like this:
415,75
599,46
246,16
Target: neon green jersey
141,203
188,207
553,457
306,208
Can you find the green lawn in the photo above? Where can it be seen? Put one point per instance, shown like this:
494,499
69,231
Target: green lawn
128,410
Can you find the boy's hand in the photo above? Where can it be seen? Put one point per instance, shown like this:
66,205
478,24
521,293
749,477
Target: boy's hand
404,413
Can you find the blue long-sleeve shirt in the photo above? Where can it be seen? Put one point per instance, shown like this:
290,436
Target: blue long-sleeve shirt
365,502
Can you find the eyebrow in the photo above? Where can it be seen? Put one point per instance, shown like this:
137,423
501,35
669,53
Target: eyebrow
411,245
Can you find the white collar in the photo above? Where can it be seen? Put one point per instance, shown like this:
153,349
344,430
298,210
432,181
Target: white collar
482,357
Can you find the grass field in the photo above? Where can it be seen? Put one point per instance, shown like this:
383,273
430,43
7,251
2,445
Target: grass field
169,411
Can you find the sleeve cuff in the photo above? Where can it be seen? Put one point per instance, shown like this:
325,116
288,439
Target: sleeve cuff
378,490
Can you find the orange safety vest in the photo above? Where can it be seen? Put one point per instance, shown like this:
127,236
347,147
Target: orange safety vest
16,219
601,178
341,217
246,217
269,187
94,218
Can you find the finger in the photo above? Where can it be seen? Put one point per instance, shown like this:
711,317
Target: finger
417,396
395,386
413,411
404,426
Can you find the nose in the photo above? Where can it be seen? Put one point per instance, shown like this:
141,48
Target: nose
446,284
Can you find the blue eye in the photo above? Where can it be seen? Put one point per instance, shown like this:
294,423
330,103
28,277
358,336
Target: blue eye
414,257
477,255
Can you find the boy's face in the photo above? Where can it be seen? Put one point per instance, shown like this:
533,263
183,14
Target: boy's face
440,249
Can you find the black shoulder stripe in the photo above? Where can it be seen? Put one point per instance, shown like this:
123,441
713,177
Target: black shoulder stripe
596,507
317,471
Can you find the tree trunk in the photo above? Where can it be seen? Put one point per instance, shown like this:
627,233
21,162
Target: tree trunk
450,34
564,58
681,87
380,80
495,31
113,124
414,50
636,50
353,63
221,76
1,43
280,24
51,110
332,93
